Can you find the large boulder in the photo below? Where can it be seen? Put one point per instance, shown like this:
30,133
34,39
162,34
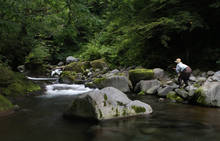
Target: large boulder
147,86
162,92
209,94
158,73
120,82
71,59
137,75
108,103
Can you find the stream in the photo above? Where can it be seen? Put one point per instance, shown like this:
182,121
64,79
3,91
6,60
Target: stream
41,120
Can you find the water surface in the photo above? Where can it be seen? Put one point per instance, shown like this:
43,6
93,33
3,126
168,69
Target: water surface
41,120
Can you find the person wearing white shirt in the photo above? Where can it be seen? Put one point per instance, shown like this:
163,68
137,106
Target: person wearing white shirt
183,72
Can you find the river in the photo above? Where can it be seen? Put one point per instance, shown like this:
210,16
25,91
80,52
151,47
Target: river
41,120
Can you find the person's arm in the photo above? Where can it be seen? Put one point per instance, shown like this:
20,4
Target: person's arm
178,69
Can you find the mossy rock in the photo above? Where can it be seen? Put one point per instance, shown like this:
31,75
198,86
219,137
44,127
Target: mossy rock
98,64
137,75
141,93
78,67
200,96
138,109
98,81
174,97
5,104
68,77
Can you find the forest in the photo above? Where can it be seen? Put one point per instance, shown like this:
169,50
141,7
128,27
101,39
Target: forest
150,33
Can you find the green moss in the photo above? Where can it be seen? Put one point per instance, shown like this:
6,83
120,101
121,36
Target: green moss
200,96
141,93
140,74
5,104
98,64
68,74
196,85
116,112
104,103
120,103
100,113
105,97
78,67
99,80
174,97
124,112
138,109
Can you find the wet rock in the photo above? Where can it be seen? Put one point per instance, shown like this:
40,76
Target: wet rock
209,94
191,90
153,90
145,85
164,91
210,73
120,82
182,93
174,97
108,103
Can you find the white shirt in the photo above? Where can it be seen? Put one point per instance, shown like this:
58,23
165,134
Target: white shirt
180,67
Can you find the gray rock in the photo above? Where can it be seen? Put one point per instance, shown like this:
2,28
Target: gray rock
145,85
203,74
108,103
60,64
120,82
201,79
158,73
191,90
192,78
210,94
210,73
182,93
164,91
153,90
71,59
216,76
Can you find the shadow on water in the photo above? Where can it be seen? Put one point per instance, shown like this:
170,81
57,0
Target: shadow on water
42,120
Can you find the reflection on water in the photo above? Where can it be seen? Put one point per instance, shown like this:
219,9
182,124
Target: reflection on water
41,120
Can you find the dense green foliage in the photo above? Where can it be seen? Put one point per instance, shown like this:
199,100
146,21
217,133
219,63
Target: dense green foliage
5,104
14,84
151,33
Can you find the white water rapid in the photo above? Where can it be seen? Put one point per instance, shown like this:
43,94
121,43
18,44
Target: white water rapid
65,89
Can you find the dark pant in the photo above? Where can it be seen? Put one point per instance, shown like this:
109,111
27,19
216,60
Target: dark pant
184,76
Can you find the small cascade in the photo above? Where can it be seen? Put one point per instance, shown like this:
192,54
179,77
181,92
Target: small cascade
54,76
65,89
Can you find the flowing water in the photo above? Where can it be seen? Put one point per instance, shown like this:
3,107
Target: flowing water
41,120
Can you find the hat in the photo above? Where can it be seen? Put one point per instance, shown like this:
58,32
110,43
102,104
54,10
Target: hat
178,60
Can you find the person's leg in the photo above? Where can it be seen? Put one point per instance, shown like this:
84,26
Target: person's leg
180,79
